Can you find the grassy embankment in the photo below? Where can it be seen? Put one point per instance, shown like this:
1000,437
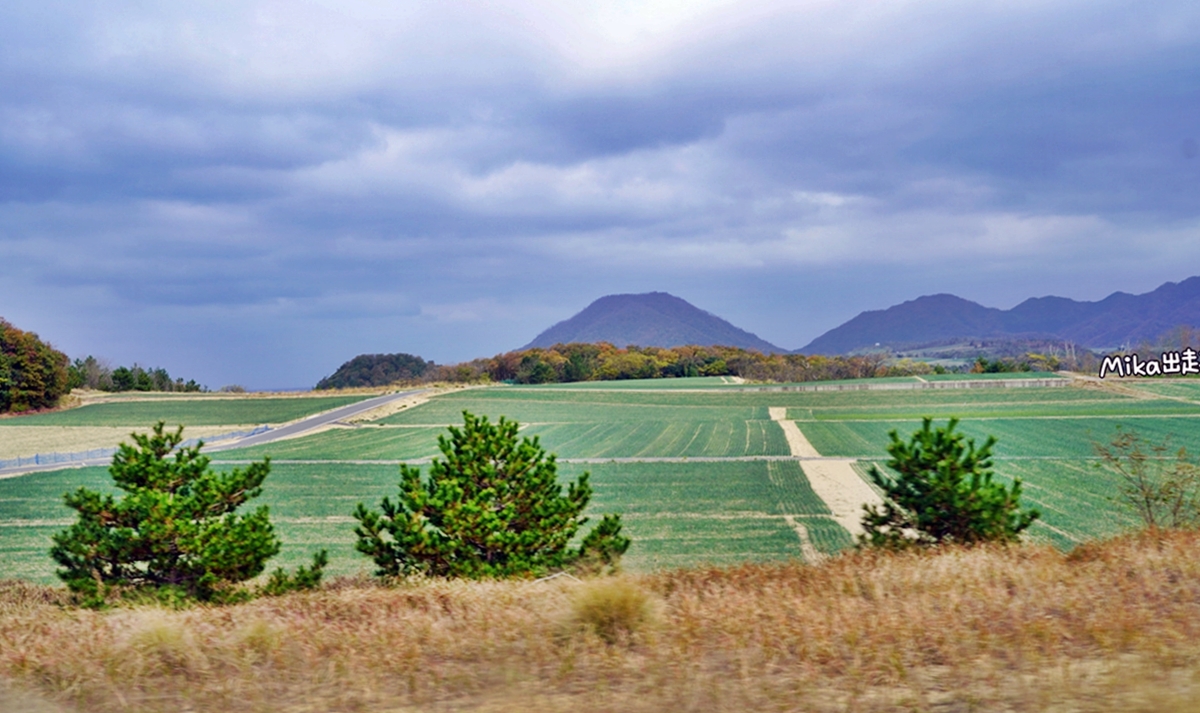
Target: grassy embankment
1113,626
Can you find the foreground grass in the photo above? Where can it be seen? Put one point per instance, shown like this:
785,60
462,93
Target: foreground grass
1113,626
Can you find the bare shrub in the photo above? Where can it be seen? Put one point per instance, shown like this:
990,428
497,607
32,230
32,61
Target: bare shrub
1162,486
612,608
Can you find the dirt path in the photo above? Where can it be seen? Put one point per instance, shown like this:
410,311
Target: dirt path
834,480
811,554
798,444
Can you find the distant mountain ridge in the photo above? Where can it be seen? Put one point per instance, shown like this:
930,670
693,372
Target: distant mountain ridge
1118,319
652,319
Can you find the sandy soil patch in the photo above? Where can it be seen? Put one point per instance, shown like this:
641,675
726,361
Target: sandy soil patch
837,483
834,480
21,441
798,444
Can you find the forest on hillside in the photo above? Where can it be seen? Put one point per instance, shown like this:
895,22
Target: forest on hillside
565,363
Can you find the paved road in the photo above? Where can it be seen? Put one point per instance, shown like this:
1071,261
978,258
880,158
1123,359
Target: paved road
312,422
292,429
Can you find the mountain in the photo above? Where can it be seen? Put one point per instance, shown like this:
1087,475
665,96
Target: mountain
1120,318
653,319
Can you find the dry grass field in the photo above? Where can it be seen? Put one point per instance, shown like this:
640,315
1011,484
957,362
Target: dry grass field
1112,626
27,440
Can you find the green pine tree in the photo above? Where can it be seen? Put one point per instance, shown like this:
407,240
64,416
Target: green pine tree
943,493
492,507
175,527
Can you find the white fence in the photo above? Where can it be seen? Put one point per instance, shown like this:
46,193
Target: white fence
93,454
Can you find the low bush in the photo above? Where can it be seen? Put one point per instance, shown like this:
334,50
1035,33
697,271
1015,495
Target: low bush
612,608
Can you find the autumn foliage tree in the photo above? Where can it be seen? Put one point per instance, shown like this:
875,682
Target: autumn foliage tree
33,374
491,507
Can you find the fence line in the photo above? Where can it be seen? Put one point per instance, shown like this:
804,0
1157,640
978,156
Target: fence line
52,458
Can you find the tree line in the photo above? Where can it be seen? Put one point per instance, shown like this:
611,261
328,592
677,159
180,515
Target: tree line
93,373
601,361
34,375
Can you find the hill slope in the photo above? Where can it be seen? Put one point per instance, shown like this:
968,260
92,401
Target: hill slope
1120,318
653,319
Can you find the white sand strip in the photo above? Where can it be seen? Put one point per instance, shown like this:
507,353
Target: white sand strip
839,485
833,480
797,443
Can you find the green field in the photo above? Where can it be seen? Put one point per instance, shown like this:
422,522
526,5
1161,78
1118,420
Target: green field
677,513
739,502
1062,438
366,443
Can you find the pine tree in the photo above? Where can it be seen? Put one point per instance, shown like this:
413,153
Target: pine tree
492,507
943,493
174,528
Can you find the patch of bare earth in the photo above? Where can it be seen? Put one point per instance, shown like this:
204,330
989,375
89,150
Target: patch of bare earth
1115,626
25,441
834,480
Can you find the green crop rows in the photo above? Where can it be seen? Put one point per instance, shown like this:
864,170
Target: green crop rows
1178,388
545,406
662,439
686,513
992,409
1069,438
679,511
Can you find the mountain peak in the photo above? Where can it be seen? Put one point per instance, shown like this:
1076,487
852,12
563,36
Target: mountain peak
650,319
1120,318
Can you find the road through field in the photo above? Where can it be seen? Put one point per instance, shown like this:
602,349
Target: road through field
296,428
312,423
834,480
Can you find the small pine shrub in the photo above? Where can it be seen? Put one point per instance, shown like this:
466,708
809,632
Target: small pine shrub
305,578
943,493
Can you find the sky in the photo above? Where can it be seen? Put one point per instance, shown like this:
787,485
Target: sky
255,192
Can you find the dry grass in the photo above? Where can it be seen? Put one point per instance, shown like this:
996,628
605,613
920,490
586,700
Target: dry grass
1114,626
27,440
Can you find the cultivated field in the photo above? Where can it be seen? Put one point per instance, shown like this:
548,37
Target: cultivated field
104,421
697,467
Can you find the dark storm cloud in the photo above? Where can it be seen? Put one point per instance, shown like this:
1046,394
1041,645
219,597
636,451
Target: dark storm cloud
315,180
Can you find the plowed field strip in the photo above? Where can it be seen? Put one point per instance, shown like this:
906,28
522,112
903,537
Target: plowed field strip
834,481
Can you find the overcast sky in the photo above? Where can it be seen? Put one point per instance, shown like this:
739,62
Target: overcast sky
255,192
